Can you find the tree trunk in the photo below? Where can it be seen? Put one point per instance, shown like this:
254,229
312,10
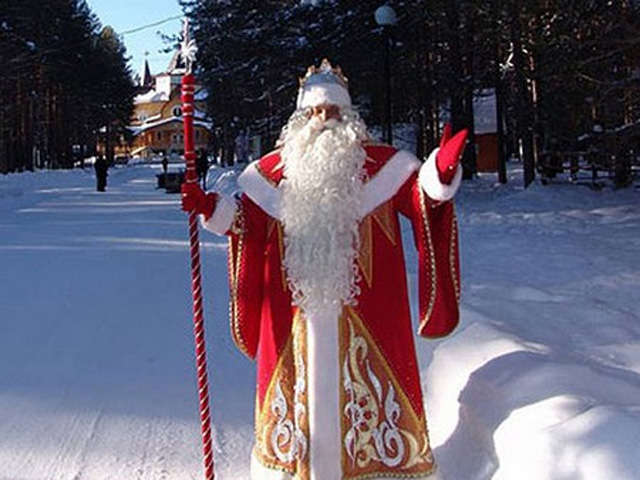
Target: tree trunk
426,133
524,117
499,93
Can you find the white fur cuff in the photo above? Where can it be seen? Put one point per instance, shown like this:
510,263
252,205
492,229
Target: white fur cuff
254,185
222,218
430,180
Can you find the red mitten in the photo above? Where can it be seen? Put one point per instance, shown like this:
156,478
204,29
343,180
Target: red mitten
450,153
194,199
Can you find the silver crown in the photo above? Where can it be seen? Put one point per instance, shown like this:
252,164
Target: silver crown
325,73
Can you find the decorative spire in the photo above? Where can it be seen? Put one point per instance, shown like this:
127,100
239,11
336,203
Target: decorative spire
188,48
146,79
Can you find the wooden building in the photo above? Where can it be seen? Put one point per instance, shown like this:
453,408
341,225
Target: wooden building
156,125
485,130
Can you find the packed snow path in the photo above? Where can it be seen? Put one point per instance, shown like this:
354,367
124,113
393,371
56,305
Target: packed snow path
541,381
97,377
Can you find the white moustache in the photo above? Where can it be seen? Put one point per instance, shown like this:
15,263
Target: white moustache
317,125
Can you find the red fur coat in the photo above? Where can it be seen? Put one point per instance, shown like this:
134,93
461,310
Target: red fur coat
367,377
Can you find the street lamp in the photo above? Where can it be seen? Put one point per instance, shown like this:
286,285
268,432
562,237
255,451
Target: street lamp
386,18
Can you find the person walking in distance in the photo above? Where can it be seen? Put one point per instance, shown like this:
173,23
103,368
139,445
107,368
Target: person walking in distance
101,168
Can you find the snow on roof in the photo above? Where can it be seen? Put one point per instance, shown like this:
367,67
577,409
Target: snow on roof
200,114
153,118
201,95
138,129
485,112
150,97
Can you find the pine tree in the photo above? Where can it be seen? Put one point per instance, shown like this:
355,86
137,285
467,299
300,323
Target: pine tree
556,65
113,91
58,70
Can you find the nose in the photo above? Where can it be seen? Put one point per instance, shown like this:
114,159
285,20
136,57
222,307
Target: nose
326,112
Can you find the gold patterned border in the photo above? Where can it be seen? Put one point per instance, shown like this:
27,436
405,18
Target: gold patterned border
286,372
234,265
453,254
262,420
383,216
426,232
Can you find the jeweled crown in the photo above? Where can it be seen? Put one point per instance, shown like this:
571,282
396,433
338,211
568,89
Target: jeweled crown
325,73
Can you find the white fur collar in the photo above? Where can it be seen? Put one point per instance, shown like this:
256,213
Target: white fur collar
378,190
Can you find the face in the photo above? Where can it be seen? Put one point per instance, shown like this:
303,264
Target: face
325,112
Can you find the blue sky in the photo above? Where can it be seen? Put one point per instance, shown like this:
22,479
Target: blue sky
126,15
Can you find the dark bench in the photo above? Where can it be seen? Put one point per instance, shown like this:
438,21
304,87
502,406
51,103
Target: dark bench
171,181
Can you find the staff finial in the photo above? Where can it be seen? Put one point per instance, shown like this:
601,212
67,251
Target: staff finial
188,48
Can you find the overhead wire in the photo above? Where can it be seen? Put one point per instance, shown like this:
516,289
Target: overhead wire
150,25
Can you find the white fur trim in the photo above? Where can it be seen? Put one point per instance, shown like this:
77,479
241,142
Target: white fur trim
260,472
323,376
323,94
430,180
378,190
388,180
260,190
222,218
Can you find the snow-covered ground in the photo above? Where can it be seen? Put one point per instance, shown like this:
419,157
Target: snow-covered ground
541,380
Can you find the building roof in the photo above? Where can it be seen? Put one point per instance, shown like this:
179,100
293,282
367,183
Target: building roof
147,78
485,116
150,97
138,129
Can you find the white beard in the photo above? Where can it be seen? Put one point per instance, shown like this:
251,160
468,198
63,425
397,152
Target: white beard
322,195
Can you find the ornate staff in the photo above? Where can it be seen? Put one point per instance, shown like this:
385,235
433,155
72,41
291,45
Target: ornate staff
188,52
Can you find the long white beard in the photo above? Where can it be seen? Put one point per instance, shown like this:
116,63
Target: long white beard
322,194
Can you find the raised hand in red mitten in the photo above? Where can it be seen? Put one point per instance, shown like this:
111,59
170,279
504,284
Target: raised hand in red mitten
194,199
450,153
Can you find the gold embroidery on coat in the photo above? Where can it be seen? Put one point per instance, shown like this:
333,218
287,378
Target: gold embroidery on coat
385,219
365,254
272,414
282,430
280,231
382,434
276,226
452,254
234,267
383,215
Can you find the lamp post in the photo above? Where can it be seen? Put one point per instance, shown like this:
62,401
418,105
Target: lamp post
386,18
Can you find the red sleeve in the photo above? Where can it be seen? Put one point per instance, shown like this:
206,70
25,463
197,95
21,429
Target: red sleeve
435,234
246,264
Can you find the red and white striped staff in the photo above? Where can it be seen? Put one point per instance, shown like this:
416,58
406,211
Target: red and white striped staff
188,51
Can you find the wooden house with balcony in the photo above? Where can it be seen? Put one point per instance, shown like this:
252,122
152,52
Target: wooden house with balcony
156,125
